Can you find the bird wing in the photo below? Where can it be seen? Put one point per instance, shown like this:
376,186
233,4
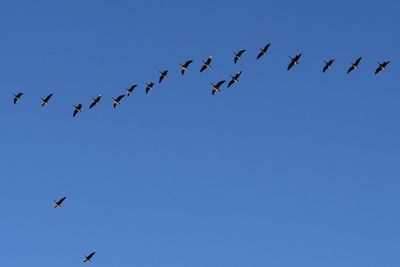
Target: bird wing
120,97
290,65
92,105
187,63
325,68
15,100
231,82
266,47
48,97
235,59
203,68
220,83
75,112
91,255
357,61
61,201
378,69
260,55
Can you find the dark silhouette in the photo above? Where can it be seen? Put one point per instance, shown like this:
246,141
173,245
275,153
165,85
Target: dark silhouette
129,91
17,97
263,51
163,75
117,100
96,101
238,55
45,101
354,65
328,64
57,204
149,86
382,66
206,64
215,87
77,109
235,79
185,66
88,258
294,61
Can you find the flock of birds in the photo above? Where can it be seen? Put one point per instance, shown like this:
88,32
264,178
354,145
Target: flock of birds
206,65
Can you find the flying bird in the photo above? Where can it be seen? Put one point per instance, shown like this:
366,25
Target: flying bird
45,101
263,51
117,100
88,258
354,65
77,109
382,66
328,64
206,64
17,97
215,87
234,79
238,55
185,66
57,204
294,61
96,101
149,86
163,75
129,91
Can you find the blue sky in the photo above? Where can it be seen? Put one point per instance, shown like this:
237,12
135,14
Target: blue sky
285,168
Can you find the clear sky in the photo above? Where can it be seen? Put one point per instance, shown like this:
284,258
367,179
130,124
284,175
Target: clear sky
293,168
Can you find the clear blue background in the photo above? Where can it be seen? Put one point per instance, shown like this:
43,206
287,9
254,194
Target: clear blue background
291,168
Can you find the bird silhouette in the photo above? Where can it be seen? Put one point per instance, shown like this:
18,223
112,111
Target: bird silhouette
149,86
129,91
163,75
234,79
185,66
294,61
89,257
238,55
17,97
381,66
354,65
96,101
206,64
57,204
77,109
216,87
328,64
45,101
116,101
263,51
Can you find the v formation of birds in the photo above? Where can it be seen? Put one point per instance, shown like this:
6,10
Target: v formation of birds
215,87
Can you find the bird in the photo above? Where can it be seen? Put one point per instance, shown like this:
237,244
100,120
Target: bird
77,109
163,75
354,65
185,66
263,51
57,204
88,258
381,66
294,61
45,101
149,86
238,55
235,79
117,100
328,64
96,101
17,97
129,90
215,87
206,64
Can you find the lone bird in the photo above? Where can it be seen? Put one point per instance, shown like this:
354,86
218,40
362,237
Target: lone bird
185,66
235,79
96,101
263,51
77,109
328,64
238,55
45,101
206,64
294,61
163,75
129,91
88,258
149,86
354,65
17,97
215,87
57,204
381,66
116,101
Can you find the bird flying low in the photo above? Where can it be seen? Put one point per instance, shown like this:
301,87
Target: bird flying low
381,66
294,61
215,87
77,109
116,101
185,66
206,64
45,101
163,75
263,51
57,204
238,55
129,91
88,258
354,65
96,101
149,86
17,97
234,79
328,64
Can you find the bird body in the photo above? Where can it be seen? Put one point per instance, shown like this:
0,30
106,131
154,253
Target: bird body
263,51
354,65
216,87
77,109
88,258
381,66
96,101
185,66
206,64
328,64
149,86
163,75
294,61
117,101
45,101
17,97
57,204
129,91
234,79
238,55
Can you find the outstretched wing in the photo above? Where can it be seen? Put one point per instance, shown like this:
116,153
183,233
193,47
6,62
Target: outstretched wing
93,104
203,68
231,82
291,64
220,83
